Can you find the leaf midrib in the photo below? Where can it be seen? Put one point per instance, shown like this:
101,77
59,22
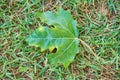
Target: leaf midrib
55,38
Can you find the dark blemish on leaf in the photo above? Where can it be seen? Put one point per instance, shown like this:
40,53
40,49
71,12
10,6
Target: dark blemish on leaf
54,50
51,26
44,24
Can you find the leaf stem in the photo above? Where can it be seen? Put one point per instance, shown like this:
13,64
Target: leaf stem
87,46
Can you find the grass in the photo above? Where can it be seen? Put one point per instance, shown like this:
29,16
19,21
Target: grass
98,24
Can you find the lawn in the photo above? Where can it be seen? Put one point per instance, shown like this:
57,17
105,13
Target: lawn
98,22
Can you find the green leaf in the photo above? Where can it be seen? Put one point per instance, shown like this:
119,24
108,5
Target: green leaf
64,36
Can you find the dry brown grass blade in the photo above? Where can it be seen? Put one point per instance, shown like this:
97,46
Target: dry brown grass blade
88,47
